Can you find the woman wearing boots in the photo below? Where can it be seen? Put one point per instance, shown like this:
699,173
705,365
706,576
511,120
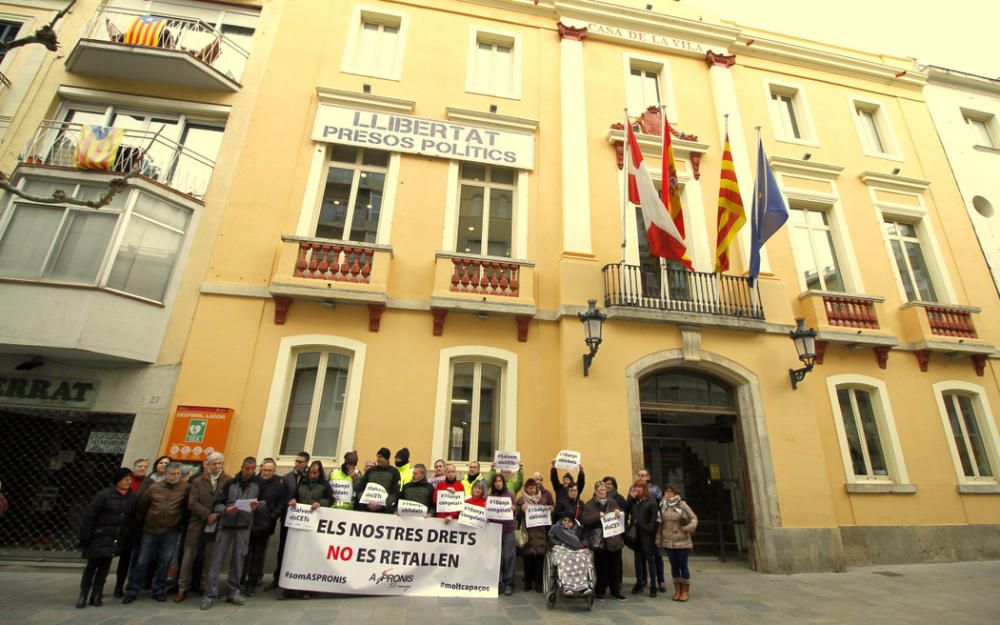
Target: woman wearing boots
678,524
104,526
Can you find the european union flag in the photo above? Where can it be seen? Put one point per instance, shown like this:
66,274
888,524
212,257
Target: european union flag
769,211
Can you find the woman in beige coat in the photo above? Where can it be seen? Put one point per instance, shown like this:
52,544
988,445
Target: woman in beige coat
678,524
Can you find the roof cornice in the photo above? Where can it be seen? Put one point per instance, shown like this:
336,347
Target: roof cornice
955,78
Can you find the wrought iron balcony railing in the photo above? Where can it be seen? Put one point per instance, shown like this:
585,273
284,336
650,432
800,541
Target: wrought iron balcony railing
679,290
76,146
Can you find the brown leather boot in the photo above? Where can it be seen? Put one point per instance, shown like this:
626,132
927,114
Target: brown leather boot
685,588
181,596
677,591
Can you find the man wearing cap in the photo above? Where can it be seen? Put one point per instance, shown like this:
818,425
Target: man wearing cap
402,462
346,473
384,475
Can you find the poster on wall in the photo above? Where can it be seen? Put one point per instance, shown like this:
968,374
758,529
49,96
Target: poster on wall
198,431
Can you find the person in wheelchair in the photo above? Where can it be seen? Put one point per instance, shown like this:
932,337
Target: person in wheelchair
571,560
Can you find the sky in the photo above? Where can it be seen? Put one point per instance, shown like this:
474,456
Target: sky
957,34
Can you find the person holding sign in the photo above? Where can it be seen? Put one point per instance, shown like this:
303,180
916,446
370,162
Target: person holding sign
386,476
533,552
607,547
450,484
515,480
567,492
342,482
508,545
679,523
419,489
313,490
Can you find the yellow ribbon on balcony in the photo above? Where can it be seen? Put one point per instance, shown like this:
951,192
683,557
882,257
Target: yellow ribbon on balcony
97,146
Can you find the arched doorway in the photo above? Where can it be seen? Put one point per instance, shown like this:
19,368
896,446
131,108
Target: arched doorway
691,437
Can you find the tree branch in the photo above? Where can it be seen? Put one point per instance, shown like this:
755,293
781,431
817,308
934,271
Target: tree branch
46,36
115,186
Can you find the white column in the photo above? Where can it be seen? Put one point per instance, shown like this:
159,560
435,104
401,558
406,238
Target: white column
575,174
743,148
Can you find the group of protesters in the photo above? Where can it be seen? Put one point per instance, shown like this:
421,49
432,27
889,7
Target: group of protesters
174,533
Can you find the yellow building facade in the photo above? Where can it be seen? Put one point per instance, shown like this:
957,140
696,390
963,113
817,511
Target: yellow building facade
413,203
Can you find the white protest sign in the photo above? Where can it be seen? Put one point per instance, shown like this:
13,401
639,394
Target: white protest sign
383,554
406,507
613,524
537,516
507,460
374,493
499,509
472,515
343,490
569,460
301,517
450,501
244,505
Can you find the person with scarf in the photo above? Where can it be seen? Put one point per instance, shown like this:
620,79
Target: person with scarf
533,552
678,524
105,525
607,551
449,483
642,509
508,543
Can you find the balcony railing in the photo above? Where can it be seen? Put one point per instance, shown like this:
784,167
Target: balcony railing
337,262
946,321
179,34
159,159
850,312
486,277
681,291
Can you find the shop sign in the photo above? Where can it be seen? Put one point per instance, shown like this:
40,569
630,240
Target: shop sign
107,442
35,391
428,137
198,431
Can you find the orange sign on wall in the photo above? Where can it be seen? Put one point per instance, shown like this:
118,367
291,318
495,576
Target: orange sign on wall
198,431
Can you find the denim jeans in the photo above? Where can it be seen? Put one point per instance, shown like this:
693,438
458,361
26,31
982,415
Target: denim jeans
679,563
159,547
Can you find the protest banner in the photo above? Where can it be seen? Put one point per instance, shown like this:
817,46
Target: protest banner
343,490
406,507
382,554
450,501
612,524
537,516
374,493
301,517
507,460
472,515
569,460
499,509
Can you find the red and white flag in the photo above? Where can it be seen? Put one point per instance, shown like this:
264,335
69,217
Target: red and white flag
661,233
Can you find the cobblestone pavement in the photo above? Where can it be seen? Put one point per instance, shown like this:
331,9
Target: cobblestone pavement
964,593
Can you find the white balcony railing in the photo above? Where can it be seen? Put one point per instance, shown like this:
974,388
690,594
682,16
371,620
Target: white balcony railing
189,36
57,144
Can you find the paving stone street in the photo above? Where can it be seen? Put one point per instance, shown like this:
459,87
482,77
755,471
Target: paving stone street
964,593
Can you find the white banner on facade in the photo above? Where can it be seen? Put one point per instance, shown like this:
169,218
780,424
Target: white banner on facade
343,490
428,137
382,554
612,524
450,501
569,460
537,516
301,517
499,509
507,460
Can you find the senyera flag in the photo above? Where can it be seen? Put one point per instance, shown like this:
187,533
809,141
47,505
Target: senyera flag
731,213
661,232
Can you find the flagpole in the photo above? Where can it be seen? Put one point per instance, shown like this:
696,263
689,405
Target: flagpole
625,168
755,227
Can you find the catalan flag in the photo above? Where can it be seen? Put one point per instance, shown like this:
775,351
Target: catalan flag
731,213
668,190
97,146
145,30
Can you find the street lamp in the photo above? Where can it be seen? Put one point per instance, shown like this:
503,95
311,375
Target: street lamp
593,322
805,346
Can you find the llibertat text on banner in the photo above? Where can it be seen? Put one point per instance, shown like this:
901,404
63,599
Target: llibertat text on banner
381,554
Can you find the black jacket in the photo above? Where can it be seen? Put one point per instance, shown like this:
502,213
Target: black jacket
420,492
272,505
643,515
106,523
388,478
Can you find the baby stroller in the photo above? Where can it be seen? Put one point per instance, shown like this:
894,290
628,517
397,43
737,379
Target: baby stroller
569,574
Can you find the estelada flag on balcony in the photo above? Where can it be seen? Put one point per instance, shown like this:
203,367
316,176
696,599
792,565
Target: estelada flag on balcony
669,186
731,213
97,146
145,30
661,232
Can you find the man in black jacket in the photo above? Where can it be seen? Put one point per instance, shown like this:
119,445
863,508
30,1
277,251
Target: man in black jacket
291,482
235,504
419,489
385,475
265,517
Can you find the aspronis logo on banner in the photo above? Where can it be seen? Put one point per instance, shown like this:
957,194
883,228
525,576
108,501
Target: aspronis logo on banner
381,554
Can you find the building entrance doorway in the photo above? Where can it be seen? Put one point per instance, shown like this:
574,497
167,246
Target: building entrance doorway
691,438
